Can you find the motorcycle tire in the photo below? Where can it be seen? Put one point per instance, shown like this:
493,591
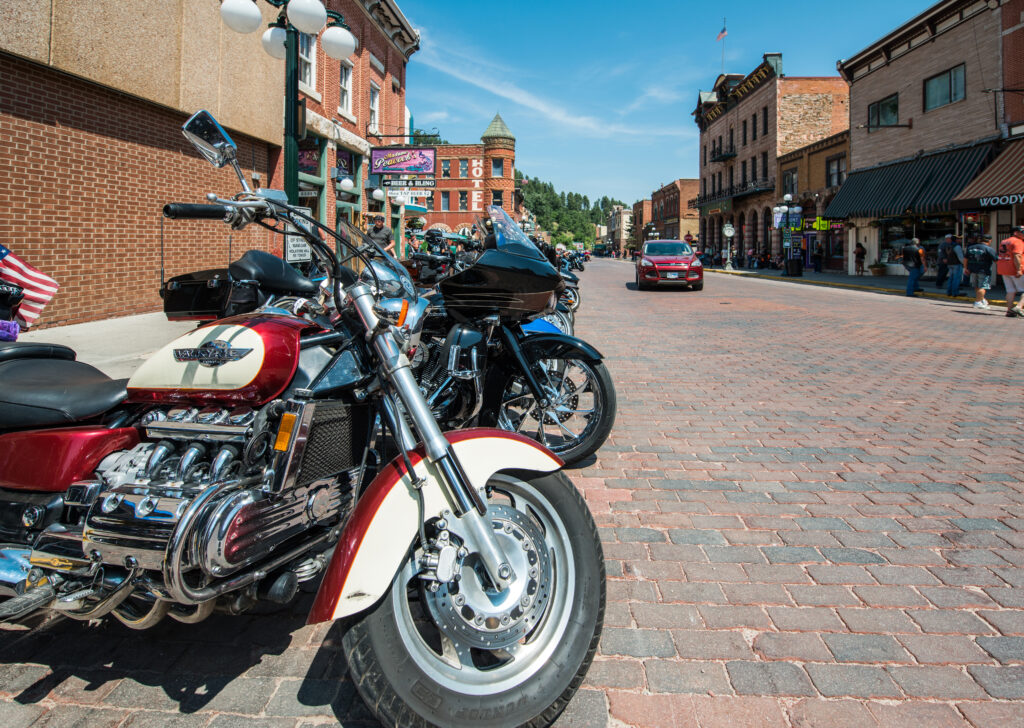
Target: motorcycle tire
580,415
410,672
571,298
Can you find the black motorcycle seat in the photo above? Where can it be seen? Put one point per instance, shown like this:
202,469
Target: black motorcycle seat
272,274
42,392
31,350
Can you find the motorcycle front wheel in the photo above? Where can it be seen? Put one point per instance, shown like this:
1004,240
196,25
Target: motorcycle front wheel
466,656
571,298
580,408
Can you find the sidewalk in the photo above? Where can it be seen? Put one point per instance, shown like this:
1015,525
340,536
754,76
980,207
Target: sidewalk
878,284
115,346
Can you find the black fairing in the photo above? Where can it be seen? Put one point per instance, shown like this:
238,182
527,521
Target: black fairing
273,274
504,283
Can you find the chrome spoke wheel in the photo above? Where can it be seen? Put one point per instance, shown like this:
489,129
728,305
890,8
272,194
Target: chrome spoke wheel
470,639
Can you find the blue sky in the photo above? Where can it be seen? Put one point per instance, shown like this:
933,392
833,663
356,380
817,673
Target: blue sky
600,98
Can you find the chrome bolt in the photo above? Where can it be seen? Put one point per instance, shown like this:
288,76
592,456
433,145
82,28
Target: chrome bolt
526,546
459,600
130,562
504,571
533,572
479,620
508,528
505,619
442,524
434,586
463,552
524,602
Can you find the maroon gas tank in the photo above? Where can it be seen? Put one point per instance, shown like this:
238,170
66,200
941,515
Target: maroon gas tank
247,359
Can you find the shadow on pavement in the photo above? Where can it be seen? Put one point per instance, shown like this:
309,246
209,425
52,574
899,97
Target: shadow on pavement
226,663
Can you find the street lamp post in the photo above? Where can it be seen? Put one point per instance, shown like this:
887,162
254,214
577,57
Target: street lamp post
281,40
783,216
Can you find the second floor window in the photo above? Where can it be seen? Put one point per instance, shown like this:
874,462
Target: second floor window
884,113
946,88
753,128
374,108
446,168
463,200
345,84
789,182
764,165
497,168
463,168
730,177
496,197
445,203
753,168
704,157
307,60
835,171
743,172
764,121
744,132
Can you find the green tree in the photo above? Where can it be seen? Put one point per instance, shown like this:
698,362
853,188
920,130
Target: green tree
426,138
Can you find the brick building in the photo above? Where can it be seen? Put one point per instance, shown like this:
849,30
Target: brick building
673,218
620,222
92,149
472,176
922,127
813,175
746,123
641,220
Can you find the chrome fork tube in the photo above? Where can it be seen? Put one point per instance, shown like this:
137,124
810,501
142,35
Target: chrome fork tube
467,499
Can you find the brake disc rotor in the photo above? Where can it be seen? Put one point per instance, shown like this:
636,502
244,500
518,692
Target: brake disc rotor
472,616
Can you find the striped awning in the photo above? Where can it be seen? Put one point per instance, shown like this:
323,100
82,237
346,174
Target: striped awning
1000,185
923,185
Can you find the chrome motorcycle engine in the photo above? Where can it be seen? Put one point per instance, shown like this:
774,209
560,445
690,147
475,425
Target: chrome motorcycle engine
261,497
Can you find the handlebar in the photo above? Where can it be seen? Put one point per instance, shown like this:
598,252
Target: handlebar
191,211
416,255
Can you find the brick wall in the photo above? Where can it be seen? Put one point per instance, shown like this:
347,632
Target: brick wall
976,43
810,109
1013,59
484,185
84,173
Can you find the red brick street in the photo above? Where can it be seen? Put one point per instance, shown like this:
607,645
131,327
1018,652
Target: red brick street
812,514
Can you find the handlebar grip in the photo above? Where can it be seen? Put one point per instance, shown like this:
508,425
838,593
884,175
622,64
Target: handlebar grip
191,211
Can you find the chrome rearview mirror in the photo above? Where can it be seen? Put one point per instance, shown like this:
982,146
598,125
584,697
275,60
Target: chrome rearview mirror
209,138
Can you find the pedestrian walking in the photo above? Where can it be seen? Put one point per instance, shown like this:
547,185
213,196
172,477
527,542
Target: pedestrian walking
381,234
979,258
942,269
955,264
1011,257
913,261
817,256
750,258
858,255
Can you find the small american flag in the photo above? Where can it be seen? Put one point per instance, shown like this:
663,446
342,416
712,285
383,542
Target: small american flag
721,34
39,288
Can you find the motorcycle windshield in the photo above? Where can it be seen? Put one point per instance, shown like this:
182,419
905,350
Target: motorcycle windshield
388,275
509,237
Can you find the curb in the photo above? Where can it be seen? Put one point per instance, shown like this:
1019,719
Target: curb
848,286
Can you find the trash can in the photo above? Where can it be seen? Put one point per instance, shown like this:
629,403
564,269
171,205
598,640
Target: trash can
794,267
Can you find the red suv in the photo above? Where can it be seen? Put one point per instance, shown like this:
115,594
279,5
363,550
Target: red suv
669,262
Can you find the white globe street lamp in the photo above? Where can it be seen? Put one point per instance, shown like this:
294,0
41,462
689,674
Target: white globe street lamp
309,16
338,42
378,195
273,42
347,184
242,16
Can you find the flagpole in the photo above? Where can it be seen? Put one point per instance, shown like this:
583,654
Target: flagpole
723,46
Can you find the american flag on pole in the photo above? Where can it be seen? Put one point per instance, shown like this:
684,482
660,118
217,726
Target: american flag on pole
39,287
721,34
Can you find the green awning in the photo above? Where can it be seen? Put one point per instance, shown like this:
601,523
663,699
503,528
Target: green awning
923,185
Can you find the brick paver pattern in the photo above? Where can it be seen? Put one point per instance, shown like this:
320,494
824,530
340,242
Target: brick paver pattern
812,515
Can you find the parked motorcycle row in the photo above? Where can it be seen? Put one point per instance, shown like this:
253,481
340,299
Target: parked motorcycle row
403,445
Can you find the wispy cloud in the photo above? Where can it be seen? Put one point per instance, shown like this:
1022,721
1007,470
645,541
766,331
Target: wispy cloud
432,117
660,94
494,81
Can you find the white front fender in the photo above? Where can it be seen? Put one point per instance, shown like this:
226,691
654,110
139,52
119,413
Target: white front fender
376,539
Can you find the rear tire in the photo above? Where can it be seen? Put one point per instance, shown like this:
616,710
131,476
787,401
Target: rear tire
406,678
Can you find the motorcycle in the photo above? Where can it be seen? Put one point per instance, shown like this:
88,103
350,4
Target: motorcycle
570,296
479,369
243,459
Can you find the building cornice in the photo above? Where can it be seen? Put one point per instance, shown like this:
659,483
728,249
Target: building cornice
831,141
393,23
922,28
